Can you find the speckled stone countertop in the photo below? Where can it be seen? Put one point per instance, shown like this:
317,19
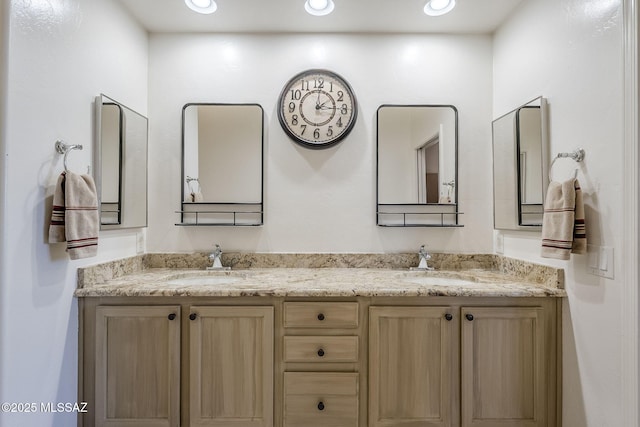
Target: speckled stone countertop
320,275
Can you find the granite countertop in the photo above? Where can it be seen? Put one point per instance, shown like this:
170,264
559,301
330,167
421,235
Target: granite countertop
315,275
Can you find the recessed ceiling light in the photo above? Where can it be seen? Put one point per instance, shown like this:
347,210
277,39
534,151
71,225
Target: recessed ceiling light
319,7
202,6
439,7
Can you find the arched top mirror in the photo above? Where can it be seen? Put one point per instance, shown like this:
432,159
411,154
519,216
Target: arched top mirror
222,167
417,159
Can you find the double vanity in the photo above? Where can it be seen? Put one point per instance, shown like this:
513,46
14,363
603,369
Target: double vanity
320,340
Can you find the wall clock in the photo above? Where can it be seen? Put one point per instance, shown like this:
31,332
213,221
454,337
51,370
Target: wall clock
317,108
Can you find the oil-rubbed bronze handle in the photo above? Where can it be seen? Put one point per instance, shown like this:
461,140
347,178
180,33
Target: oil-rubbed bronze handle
320,406
449,317
320,316
469,317
172,316
321,352
193,316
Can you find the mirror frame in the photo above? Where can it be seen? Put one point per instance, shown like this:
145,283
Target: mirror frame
235,210
412,214
101,100
514,210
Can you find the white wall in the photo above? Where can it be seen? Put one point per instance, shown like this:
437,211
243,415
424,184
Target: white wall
62,53
320,201
573,55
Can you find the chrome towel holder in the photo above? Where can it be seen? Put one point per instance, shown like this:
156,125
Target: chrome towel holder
577,156
65,149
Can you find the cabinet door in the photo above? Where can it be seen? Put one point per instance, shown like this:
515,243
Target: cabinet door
137,380
412,367
503,367
231,366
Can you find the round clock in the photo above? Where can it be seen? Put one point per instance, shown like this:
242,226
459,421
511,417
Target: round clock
317,108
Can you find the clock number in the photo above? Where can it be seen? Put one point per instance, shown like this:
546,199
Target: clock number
340,96
343,109
294,119
318,83
303,127
304,84
329,132
292,107
296,94
339,122
316,133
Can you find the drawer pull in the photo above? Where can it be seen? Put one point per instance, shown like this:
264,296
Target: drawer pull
448,317
320,406
469,317
321,317
172,316
193,316
321,353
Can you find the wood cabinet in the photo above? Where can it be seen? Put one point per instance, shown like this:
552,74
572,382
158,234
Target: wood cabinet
504,368
329,362
321,363
501,361
412,367
231,366
137,366
171,366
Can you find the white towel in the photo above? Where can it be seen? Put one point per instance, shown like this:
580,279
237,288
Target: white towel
75,218
563,223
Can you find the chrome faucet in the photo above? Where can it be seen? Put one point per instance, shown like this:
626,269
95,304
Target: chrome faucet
216,257
424,257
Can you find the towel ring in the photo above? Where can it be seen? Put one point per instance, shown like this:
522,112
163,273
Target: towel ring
576,155
63,148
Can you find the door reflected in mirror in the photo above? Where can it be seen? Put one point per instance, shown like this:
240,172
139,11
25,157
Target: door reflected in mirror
222,176
121,165
417,165
519,169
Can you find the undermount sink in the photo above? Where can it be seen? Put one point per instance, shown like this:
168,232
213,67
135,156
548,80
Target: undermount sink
438,278
204,278
437,281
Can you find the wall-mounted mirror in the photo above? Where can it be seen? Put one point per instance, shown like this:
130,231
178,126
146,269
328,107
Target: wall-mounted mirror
120,165
519,167
417,165
222,167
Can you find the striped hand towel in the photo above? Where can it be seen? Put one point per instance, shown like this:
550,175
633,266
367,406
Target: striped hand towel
563,223
75,218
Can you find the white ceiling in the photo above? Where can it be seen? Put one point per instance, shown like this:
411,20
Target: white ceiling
386,16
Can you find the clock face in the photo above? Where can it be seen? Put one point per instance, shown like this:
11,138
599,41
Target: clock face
317,108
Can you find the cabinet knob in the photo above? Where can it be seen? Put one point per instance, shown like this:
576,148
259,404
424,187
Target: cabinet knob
449,317
320,316
320,406
469,316
321,352
172,316
193,316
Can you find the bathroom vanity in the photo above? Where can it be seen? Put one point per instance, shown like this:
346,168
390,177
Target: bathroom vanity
353,343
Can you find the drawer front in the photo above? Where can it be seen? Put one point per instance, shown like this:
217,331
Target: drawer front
304,411
320,314
315,399
318,349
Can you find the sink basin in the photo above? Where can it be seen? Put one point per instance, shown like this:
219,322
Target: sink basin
204,278
437,281
439,278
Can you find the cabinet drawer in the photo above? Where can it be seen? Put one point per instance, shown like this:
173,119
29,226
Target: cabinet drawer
321,349
320,399
320,314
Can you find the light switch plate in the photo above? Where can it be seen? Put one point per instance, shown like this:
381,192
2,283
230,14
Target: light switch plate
600,261
498,242
139,242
